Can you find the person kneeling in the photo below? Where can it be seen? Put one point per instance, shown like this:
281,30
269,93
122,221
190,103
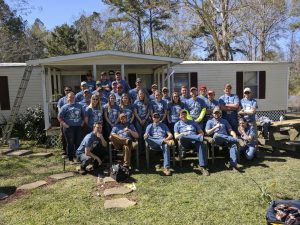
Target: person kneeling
190,135
91,148
159,137
247,133
122,135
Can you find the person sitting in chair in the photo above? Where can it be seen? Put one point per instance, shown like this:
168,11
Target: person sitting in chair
159,137
223,135
91,148
190,135
122,135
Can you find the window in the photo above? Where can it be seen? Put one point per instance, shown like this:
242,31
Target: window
4,93
184,79
256,80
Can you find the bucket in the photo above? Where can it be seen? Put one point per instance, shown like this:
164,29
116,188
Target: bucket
13,143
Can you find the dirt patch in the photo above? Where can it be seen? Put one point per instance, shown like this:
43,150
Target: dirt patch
15,196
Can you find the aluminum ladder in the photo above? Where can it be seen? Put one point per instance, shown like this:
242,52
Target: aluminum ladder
17,104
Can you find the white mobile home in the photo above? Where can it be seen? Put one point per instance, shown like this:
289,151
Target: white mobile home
269,80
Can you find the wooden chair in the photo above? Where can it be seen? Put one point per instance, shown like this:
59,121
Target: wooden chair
148,149
134,148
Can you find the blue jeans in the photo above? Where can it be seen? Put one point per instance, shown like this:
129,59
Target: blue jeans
230,142
99,151
84,160
233,121
141,131
157,144
196,142
73,136
249,151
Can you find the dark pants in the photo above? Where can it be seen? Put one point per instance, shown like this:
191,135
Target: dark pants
85,160
73,136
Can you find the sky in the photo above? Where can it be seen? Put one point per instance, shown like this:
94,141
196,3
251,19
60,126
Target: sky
57,12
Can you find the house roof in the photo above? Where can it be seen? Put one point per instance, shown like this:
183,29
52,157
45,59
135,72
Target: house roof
12,64
232,62
97,54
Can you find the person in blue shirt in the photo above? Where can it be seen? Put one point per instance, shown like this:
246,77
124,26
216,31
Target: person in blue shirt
79,96
105,83
203,91
165,95
229,104
93,113
85,102
133,93
190,135
92,148
71,119
99,92
248,108
122,135
173,111
142,108
91,84
127,108
248,135
114,90
211,103
159,106
111,114
223,135
184,94
124,84
159,137
61,102
154,88
196,106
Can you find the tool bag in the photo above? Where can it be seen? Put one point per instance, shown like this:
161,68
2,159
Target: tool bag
119,172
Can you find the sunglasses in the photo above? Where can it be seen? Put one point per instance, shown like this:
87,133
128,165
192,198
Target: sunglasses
247,92
68,90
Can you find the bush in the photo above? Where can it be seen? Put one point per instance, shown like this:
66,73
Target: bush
30,125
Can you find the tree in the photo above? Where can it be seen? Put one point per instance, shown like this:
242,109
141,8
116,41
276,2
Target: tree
65,40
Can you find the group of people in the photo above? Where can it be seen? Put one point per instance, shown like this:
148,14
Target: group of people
111,111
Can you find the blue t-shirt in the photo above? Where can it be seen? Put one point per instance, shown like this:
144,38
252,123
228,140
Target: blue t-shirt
224,129
119,130
195,107
94,115
247,104
229,99
174,110
189,127
133,93
157,130
126,87
167,100
61,102
118,97
128,110
141,109
159,107
79,96
72,114
211,105
89,141
84,104
184,99
249,130
91,85
113,114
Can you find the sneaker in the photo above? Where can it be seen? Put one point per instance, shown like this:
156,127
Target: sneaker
204,171
81,170
167,172
241,142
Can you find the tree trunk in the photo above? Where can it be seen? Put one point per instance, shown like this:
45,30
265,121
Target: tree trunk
151,31
140,35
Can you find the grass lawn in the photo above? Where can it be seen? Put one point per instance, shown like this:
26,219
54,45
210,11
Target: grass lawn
186,197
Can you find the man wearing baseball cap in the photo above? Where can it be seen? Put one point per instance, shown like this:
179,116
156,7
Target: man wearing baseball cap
138,86
196,106
154,88
79,96
223,135
229,104
202,91
248,108
122,136
124,84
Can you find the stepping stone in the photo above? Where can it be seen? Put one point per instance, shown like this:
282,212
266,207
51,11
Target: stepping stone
117,191
41,154
5,151
118,203
33,185
61,176
3,196
20,153
108,179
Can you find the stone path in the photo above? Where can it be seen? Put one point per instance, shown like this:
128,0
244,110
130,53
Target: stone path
3,196
117,191
108,179
41,154
33,185
19,153
118,203
61,176
5,151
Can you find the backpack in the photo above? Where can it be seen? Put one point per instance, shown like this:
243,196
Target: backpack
119,172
